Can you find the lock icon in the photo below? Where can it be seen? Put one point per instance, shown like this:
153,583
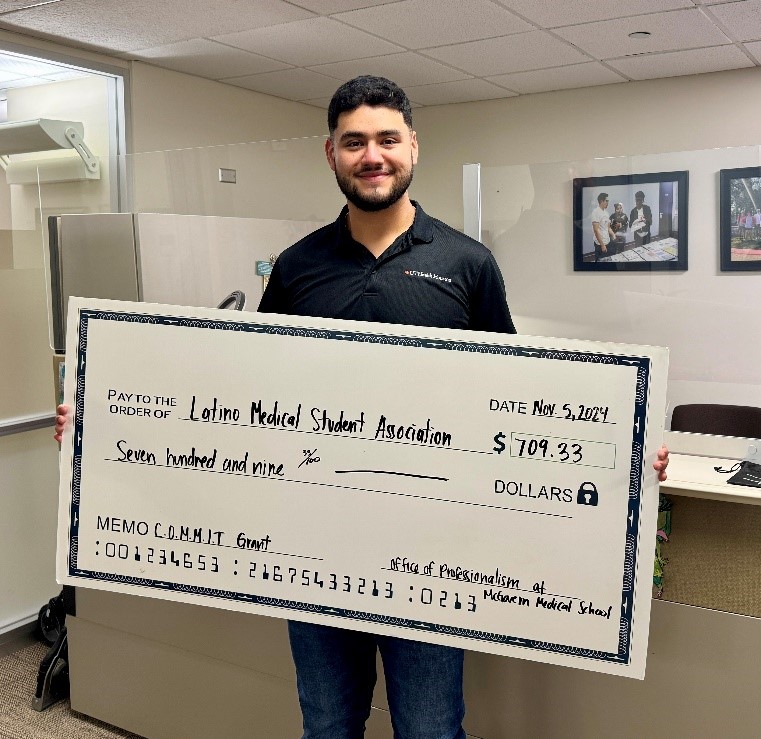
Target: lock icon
587,494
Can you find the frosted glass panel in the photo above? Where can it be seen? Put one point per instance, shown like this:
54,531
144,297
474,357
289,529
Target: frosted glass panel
710,320
285,179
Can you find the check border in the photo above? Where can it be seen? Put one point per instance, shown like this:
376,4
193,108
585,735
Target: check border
642,364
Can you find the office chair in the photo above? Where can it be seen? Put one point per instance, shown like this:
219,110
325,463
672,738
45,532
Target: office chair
235,300
723,420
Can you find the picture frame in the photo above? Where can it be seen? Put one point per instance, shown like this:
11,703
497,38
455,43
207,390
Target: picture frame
650,226
740,219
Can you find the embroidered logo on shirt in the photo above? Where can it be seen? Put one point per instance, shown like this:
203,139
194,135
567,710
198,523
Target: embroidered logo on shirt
429,275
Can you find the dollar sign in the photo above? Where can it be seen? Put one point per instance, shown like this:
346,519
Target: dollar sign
500,444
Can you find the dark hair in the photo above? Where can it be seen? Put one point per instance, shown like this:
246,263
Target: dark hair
639,195
602,196
368,90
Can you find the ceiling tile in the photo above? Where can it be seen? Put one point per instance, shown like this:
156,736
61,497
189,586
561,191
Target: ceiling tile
8,5
516,53
208,59
407,68
143,24
558,78
551,13
419,23
309,42
327,7
434,47
325,102
742,19
67,74
317,102
26,82
28,66
673,64
8,76
464,91
292,84
671,31
755,49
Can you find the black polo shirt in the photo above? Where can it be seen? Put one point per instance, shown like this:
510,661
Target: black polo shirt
431,275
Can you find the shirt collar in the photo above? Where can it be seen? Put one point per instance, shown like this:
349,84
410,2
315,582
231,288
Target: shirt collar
420,232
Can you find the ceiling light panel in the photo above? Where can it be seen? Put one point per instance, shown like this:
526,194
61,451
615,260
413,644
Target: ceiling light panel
27,66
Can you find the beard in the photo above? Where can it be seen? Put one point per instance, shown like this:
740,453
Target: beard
374,201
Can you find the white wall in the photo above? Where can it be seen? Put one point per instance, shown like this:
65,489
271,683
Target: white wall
532,147
185,128
171,110
683,114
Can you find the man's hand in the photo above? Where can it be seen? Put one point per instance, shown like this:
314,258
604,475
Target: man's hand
661,463
62,416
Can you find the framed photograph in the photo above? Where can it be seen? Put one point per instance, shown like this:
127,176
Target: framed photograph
740,219
630,222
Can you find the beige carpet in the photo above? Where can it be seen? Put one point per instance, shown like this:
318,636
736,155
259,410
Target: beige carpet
18,676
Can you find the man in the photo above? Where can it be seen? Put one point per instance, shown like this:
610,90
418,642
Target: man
641,218
383,259
605,237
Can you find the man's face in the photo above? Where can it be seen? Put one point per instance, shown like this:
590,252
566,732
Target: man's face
373,153
619,208
604,203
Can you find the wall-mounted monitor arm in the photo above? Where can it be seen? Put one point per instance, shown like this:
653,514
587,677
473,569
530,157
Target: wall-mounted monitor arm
77,142
45,134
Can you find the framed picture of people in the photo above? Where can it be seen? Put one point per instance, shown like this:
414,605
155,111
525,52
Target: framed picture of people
630,222
740,219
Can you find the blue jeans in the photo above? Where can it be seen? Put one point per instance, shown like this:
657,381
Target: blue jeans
335,676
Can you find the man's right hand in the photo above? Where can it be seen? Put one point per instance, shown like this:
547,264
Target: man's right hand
62,417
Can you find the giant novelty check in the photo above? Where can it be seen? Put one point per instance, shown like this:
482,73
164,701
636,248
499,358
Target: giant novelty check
488,491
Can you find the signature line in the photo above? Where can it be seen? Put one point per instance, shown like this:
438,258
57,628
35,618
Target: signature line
388,472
